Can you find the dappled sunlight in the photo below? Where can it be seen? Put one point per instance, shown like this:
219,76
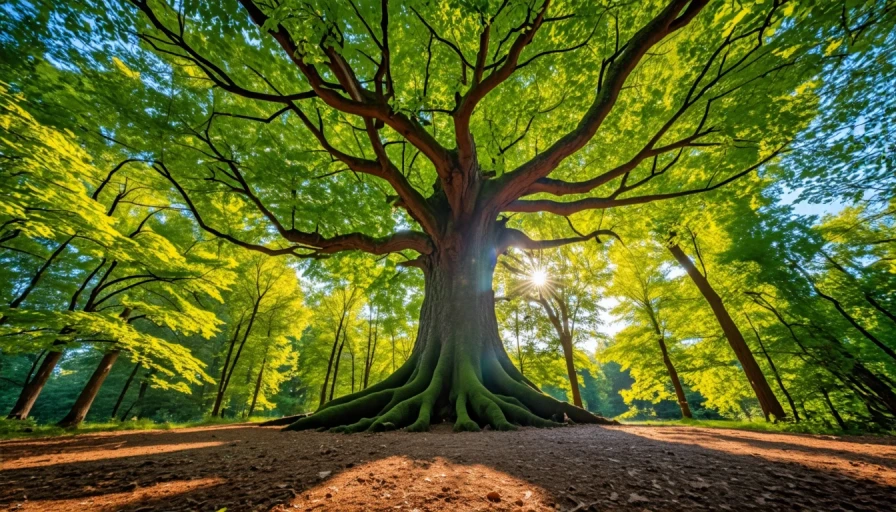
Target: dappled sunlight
111,451
874,461
404,483
102,502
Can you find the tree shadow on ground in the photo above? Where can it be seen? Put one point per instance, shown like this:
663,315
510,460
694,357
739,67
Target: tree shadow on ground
574,468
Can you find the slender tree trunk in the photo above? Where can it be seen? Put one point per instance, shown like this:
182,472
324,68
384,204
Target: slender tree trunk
336,367
219,394
141,394
771,364
767,399
670,367
571,374
834,413
676,381
257,386
124,390
371,351
34,366
82,405
323,389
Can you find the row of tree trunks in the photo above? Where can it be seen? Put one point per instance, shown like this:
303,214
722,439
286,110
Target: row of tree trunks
767,399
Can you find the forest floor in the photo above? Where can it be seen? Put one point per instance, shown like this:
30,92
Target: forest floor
581,468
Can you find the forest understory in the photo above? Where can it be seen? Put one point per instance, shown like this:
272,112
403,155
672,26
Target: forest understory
579,468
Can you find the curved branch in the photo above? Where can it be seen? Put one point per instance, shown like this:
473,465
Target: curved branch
516,238
676,15
602,203
311,245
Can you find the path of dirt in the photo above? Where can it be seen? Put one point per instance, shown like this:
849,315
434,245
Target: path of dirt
578,468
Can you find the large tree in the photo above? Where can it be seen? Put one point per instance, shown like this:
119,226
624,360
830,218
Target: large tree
313,127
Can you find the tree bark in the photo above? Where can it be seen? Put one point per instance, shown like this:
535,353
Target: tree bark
31,391
323,389
767,399
676,381
264,361
144,385
667,361
458,370
82,405
571,374
834,413
124,390
771,364
336,366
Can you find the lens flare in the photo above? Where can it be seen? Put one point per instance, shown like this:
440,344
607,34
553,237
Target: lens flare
539,277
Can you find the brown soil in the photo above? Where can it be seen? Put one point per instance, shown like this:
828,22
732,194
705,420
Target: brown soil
578,468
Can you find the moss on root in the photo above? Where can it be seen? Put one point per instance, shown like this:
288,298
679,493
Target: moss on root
439,386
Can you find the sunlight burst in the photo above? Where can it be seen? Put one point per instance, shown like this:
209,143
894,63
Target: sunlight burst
539,277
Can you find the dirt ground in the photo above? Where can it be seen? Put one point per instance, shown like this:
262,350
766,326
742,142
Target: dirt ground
579,468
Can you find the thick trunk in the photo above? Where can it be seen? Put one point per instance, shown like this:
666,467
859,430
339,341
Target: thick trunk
31,391
676,382
82,405
767,399
566,343
458,370
124,390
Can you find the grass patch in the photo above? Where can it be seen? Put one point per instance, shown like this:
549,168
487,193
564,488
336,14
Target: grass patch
18,429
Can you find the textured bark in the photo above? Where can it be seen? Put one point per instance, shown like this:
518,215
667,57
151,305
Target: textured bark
458,370
82,405
767,399
124,390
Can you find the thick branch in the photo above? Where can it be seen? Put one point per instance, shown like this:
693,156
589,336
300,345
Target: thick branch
514,184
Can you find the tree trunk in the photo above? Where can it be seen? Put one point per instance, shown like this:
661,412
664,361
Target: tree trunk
771,364
834,413
124,390
670,368
34,367
458,370
257,386
336,367
767,399
144,385
31,391
566,343
676,382
323,389
82,405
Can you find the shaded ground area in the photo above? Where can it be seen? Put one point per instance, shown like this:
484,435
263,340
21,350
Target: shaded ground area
578,468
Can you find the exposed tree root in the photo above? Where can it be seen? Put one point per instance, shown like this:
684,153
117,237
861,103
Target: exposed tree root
446,384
